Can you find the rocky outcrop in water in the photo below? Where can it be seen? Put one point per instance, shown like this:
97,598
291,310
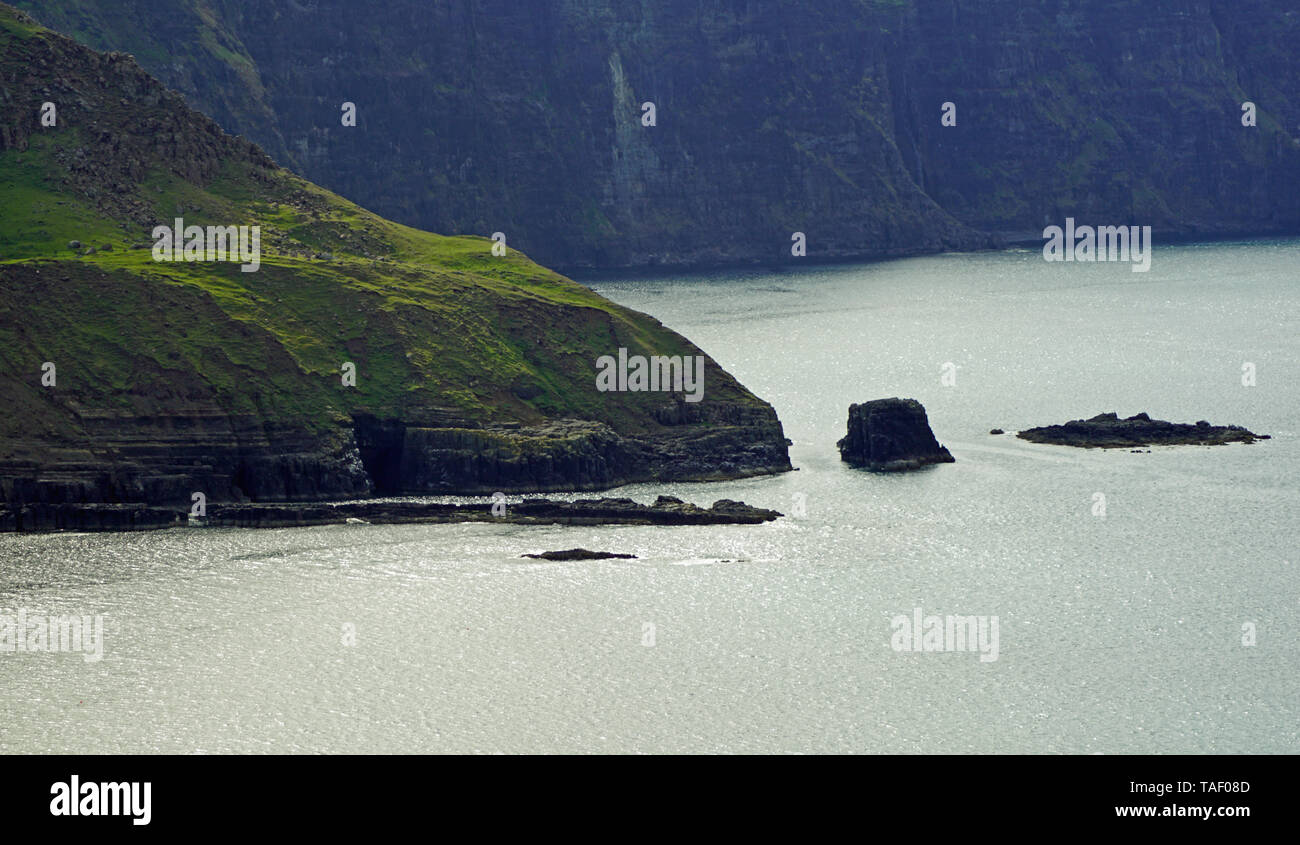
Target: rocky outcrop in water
666,510
580,554
1108,431
891,434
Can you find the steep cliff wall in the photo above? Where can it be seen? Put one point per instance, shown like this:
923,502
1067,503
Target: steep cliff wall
1124,113
820,116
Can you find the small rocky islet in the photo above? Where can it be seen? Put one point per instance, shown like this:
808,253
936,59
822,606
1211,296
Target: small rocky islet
580,554
1109,431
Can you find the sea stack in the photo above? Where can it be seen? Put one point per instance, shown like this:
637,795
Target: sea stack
890,435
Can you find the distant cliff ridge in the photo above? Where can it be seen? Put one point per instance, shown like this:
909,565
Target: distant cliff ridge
813,116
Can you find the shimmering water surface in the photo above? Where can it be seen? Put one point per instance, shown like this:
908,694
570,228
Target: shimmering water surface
1120,633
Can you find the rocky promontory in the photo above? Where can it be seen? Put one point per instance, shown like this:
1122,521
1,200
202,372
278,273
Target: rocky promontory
1108,431
890,435
359,358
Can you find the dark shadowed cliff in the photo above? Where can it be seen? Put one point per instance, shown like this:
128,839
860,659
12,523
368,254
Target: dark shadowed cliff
820,116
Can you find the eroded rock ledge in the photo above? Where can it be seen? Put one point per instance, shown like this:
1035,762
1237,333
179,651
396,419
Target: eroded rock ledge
666,510
1108,431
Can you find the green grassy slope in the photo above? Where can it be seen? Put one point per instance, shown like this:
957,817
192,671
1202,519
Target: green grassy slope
441,331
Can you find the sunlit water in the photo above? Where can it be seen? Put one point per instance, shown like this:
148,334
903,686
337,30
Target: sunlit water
1118,633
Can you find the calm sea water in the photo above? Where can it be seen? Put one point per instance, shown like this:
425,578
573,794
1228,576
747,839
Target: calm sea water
1118,633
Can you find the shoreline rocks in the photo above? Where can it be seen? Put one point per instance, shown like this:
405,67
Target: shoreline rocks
890,435
1108,431
666,510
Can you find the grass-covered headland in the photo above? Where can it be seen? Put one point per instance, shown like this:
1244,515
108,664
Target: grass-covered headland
473,372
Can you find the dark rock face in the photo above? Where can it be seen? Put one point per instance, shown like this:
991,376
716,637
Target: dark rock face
162,461
1108,431
575,455
891,434
580,554
819,116
666,510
